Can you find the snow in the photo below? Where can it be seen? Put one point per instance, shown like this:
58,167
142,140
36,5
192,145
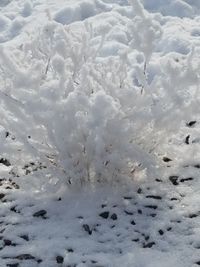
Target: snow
99,133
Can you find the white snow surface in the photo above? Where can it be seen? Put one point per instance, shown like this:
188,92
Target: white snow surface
54,111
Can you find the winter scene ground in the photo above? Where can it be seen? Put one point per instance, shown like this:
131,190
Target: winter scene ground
99,133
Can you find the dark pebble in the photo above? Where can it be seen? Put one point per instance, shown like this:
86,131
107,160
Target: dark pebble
139,211
5,162
154,207
133,222
127,198
139,191
161,232
25,257
135,240
87,229
128,212
12,264
166,159
2,195
187,140
191,123
114,216
154,197
70,250
149,245
59,259
197,166
194,215
186,179
173,179
40,213
25,237
104,215
7,242
158,180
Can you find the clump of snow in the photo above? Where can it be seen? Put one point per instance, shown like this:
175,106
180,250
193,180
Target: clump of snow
27,9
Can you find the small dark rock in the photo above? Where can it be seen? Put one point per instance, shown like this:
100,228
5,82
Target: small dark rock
127,198
2,195
166,159
135,240
187,140
193,215
87,229
158,180
128,212
5,162
173,198
139,211
153,215
7,134
25,257
197,262
103,206
7,242
197,166
12,264
149,245
40,213
133,222
154,207
104,214
154,197
59,259
161,232
70,250
173,179
139,191
14,209
114,216
191,123
186,179
25,237
27,172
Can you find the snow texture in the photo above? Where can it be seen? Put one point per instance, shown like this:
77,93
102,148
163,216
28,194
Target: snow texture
99,133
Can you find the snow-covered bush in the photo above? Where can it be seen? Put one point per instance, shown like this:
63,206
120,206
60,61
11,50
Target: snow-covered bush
83,113
79,109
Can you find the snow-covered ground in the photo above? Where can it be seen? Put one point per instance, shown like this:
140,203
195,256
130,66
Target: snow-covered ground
151,221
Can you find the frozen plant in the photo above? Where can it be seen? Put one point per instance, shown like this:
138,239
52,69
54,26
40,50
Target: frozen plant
144,33
81,112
